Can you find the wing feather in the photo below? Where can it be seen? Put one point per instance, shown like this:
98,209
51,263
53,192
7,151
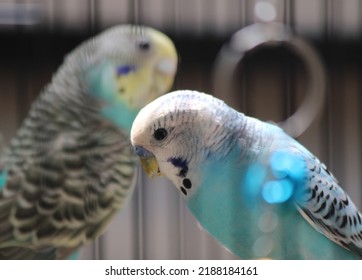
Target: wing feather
329,209
65,195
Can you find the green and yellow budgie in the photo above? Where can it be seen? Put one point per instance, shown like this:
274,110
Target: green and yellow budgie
71,166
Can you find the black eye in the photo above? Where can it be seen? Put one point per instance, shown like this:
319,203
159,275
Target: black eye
160,134
144,45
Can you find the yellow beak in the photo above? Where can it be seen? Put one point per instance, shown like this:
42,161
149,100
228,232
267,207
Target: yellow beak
150,166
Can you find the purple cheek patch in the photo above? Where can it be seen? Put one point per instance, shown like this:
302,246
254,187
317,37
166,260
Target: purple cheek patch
125,69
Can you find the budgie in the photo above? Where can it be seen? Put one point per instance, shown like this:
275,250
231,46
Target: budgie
71,166
246,181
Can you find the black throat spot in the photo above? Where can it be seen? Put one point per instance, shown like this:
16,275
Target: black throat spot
187,183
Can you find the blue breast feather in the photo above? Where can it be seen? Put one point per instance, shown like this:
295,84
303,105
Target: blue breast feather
250,209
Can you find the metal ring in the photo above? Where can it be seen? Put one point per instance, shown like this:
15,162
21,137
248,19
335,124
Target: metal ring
273,34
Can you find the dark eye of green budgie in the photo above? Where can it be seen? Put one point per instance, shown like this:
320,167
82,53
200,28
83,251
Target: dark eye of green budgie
144,45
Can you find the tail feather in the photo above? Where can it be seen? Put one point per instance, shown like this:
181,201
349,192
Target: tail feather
17,253
6,229
354,249
51,253
318,225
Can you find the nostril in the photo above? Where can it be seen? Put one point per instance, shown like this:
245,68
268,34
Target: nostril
137,149
142,152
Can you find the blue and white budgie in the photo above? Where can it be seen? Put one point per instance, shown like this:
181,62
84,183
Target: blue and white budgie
71,166
244,180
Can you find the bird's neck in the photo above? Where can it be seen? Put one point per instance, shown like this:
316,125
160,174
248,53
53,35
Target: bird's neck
63,106
121,116
211,174
101,85
218,203
225,164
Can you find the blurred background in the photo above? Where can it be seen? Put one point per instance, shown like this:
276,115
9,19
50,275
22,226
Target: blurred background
270,83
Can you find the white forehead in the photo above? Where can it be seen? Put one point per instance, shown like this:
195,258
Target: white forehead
124,35
171,103
177,105
181,101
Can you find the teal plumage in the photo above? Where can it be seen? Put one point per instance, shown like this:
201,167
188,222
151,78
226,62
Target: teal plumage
245,180
70,168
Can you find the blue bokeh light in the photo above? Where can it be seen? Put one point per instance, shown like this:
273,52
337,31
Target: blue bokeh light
285,164
253,180
277,191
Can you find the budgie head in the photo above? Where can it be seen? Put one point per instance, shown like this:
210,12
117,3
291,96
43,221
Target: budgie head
176,133
124,68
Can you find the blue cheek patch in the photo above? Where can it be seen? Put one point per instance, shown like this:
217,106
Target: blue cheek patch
125,70
180,163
